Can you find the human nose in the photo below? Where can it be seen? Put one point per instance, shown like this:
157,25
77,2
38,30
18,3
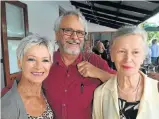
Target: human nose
38,65
128,57
74,35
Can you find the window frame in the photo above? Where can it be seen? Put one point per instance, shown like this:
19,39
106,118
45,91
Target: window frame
9,78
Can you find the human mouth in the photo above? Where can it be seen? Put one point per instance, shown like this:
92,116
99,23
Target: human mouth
73,42
37,73
127,67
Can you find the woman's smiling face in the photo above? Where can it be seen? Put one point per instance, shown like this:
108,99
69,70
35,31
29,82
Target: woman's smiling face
127,52
36,64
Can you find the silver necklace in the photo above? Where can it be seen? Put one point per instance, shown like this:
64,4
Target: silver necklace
136,89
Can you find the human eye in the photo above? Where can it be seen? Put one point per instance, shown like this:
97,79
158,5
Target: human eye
121,51
68,30
136,52
30,59
45,60
81,33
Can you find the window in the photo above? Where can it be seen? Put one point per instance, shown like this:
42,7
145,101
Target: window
14,25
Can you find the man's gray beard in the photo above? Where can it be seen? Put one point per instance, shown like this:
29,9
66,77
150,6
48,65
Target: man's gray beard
71,52
68,51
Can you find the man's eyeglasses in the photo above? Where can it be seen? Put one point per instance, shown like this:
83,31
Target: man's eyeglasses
69,32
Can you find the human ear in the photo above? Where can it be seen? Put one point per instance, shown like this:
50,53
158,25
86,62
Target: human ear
19,64
57,35
112,55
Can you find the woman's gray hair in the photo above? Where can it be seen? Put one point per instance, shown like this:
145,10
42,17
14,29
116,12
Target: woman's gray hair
30,41
67,13
131,30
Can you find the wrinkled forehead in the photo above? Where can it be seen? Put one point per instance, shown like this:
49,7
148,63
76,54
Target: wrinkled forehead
128,41
72,21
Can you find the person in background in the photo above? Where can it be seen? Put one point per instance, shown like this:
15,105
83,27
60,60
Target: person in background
106,44
96,41
100,50
87,46
26,100
155,52
74,75
130,94
107,48
104,54
154,75
147,60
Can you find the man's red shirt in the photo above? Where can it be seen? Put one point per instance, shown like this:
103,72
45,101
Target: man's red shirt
69,94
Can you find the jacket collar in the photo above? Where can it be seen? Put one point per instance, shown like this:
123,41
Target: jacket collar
146,99
148,89
112,85
18,100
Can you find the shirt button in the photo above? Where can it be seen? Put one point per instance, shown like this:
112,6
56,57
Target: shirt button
65,90
68,75
63,105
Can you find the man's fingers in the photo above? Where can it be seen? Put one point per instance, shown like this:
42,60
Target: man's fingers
83,72
81,68
81,64
86,69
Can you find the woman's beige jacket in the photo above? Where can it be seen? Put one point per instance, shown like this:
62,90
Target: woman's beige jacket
105,105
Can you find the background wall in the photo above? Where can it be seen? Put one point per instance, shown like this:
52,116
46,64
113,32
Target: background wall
41,16
106,36
98,28
102,36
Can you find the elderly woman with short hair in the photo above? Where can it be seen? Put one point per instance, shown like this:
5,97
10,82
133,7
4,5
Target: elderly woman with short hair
26,100
130,94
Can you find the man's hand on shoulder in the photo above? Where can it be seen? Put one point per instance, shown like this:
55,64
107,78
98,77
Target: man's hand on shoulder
86,69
